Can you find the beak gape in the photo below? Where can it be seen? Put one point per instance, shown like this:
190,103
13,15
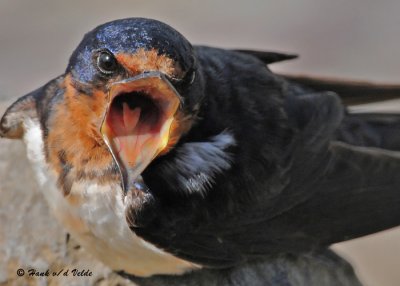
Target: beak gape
137,123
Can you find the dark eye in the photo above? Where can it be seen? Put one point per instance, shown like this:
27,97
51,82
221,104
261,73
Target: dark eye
106,63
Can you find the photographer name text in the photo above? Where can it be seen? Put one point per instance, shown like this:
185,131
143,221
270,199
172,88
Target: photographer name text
63,272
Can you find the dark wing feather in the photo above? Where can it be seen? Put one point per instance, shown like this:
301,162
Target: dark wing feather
356,196
379,130
351,92
359,195
268,57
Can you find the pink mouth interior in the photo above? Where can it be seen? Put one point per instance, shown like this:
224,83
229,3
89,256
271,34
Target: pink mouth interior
135,114
135,120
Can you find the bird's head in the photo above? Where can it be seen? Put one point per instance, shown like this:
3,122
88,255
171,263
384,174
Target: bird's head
130,91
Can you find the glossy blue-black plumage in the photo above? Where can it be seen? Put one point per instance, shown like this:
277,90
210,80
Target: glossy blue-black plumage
127,36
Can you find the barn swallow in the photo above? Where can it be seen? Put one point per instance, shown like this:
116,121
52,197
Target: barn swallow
161,157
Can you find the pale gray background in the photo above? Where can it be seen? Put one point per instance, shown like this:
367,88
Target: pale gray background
348,39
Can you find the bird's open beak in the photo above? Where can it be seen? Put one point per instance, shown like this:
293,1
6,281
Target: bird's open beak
136,126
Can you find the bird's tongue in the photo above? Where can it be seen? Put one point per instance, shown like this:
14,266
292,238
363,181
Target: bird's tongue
137,124
136,139
129,139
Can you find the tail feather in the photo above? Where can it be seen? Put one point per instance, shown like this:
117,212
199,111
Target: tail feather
351,92
379,130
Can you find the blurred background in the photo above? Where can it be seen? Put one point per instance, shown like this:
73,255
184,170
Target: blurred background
356,39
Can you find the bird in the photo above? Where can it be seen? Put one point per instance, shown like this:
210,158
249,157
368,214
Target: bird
165,158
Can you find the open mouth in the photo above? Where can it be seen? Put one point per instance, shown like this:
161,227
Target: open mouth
137,123
135,113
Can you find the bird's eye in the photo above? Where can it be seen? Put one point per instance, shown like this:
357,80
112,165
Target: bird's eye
106,63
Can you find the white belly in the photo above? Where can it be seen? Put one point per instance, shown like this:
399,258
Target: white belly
95,216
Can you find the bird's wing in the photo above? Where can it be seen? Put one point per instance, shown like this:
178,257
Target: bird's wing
358,194
332,191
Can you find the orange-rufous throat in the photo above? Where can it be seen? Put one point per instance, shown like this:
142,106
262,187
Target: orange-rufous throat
137,123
